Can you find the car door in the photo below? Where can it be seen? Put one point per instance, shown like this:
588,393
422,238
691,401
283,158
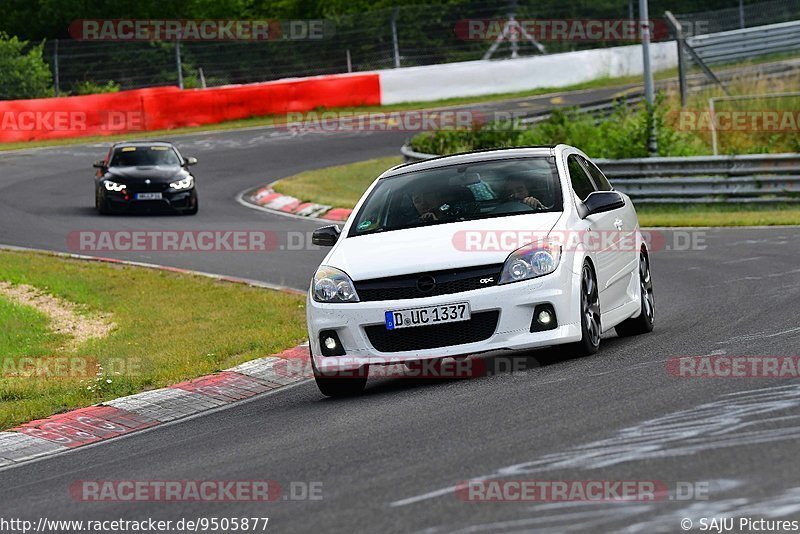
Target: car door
610,264
628,223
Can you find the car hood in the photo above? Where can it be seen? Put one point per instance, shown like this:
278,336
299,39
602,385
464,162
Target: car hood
154,173
437,247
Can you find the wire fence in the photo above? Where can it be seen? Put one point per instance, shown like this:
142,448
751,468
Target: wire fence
745,15
406,36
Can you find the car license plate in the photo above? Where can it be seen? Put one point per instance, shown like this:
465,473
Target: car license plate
449,313
148,196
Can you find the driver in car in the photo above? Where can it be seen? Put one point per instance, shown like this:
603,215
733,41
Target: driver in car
517,189
429,203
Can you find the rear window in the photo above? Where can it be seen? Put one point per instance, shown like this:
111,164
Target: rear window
143,156
459,193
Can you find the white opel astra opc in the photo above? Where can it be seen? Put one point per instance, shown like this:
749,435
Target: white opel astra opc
464,254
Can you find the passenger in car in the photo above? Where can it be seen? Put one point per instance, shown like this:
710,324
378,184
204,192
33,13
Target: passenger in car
517,189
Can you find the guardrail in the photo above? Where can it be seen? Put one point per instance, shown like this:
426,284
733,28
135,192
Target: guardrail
747,43
750,178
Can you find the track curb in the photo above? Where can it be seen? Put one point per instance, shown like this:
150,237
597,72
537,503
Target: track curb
268,199
125,415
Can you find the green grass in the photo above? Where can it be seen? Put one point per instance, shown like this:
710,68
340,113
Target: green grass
341,186
719,215
24,332
170,327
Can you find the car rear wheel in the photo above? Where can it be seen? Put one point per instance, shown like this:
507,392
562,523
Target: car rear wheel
341,383
644,323
590,315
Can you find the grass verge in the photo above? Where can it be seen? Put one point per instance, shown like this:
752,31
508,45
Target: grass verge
170,327
341,186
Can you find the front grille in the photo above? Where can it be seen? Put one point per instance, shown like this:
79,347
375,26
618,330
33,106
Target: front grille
445,283
480,327
154,187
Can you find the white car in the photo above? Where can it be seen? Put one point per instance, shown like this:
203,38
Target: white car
463,254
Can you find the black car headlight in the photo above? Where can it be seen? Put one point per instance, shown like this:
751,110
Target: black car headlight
113,186
185,183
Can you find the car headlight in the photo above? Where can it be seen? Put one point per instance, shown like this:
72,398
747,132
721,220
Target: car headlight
186,183
333,285
113,186
531,261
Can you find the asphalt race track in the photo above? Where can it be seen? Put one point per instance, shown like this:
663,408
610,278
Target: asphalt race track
388,461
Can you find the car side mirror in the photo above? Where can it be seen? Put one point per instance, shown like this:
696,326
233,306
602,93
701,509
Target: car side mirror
327,236
602,201
99,164
191,161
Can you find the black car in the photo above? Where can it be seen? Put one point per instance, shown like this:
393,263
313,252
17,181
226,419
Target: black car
145,176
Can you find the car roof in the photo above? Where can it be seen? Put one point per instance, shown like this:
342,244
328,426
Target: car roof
470,157
142,143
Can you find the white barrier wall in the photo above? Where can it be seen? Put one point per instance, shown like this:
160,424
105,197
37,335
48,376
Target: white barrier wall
473,78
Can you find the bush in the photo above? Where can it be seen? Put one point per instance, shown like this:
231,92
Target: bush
623,134
23,72
89,87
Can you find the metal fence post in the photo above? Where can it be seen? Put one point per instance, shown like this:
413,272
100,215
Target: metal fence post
56,81
741,14
394,37
178,62
349,62
652,144
680,39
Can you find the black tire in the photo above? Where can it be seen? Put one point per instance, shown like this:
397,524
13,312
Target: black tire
193,210
344,384
100,205
590,315
644,323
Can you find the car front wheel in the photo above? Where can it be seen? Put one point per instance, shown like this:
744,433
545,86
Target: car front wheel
341,383
590,315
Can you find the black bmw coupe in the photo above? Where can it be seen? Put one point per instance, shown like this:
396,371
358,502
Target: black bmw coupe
145,176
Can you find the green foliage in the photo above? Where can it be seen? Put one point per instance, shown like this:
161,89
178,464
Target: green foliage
23,73
90,88
623,134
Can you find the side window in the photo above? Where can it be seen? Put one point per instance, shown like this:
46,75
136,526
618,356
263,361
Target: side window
599,178
581,182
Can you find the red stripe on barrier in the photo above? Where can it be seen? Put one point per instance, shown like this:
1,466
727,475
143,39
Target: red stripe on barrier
225,386
87,425
165,108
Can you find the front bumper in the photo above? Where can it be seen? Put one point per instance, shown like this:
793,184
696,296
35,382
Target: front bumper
170,201
515,303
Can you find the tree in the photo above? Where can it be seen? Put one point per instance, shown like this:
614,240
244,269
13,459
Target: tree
23,72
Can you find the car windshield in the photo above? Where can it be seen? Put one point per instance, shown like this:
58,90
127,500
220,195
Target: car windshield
461,192
143,156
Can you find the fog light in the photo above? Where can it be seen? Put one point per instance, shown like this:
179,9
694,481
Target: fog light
544,318
330,344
